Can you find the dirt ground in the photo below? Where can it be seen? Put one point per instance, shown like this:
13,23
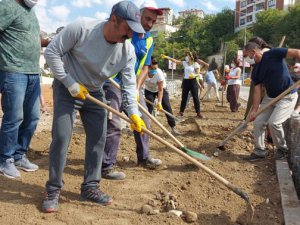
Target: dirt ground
195,190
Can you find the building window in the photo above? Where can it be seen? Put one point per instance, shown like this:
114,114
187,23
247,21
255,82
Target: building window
250,1
250,9
249,19
242,22
243,4
260,6
271,3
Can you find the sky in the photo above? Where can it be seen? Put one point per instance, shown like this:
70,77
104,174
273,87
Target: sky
55,13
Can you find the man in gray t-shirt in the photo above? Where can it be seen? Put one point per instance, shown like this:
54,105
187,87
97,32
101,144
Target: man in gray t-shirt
82,56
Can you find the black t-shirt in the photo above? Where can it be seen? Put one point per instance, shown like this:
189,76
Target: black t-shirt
273,73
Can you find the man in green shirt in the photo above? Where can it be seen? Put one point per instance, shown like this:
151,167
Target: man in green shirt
19,83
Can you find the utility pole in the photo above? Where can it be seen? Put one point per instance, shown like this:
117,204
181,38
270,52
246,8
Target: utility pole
245,37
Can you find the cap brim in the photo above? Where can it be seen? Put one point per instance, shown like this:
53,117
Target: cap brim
136,27
158,11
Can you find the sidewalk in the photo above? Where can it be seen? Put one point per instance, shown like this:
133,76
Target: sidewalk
244,92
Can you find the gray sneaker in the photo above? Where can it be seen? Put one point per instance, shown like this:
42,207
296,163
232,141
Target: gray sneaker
50,203
151,163
112,174
93,194
26,165
175,131
9,169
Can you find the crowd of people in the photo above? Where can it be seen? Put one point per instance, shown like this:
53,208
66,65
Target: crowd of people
86,58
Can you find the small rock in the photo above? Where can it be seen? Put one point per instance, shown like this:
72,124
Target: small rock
125,159
216,153
183,187
267,201
190,217
146,209
175,212
170,205
154,212
158,196
153,203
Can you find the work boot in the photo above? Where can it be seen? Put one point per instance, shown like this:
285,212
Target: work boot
280,154
93,194
150,163
180,115
111,174
26,165
9,169
253,157
50,203
199,115
175,131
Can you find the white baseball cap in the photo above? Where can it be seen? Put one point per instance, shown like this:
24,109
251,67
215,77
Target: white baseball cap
151,5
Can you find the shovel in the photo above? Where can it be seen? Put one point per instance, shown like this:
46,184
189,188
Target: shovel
240,128
182,147
218,177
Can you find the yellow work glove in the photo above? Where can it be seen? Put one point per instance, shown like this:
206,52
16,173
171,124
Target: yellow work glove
163,56
191,76
78,91
137,124
159,106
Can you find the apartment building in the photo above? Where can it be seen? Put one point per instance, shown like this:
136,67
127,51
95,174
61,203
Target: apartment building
246,10
164,23
196,12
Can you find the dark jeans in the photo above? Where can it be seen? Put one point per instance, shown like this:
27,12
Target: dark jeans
187,86
233,92
21,111
94,122
165,104
113,95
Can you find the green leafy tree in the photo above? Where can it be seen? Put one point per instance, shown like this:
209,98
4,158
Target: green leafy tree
290,26
267,24
231,49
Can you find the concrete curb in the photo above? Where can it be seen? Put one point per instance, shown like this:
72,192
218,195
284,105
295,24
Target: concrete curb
289,200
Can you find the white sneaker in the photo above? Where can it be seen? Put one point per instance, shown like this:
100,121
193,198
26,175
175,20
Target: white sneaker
9,169
26,165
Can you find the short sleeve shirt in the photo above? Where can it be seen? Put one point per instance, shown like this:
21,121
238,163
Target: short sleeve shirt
273,73
151,83
210,77
19,38
190,70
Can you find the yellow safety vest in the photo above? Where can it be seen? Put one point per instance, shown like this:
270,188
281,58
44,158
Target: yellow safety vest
149,42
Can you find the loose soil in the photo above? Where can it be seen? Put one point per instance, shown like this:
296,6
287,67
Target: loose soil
195,190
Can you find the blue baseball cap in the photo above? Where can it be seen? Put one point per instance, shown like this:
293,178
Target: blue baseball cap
131,13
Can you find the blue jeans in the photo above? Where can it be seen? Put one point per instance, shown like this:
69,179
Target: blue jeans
21,111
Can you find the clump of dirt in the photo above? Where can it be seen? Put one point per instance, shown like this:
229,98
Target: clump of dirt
195,190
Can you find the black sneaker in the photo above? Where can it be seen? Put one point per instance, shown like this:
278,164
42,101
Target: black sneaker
151,163
111,174
280,154
93,194
253,157
50,203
